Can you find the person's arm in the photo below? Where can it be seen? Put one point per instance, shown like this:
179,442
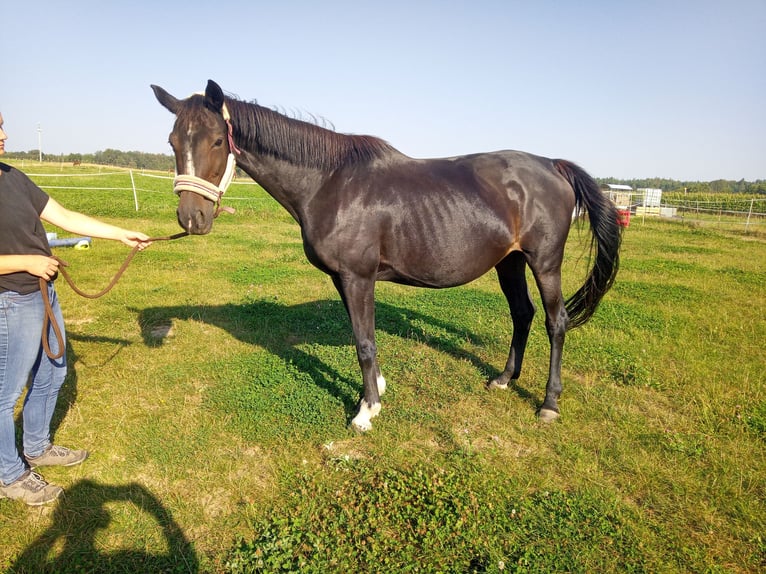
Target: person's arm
76,222
37,265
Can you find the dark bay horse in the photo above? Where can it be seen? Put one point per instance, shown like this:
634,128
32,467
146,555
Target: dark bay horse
369,213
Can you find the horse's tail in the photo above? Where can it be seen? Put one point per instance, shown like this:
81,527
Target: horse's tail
605,244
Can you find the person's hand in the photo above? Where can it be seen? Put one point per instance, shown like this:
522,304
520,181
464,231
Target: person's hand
42,266
133,238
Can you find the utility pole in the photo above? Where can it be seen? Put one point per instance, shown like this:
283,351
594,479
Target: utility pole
40,142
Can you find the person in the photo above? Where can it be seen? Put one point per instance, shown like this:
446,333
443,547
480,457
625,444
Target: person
25,257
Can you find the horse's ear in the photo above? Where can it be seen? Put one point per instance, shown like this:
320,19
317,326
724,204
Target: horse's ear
170,102
214,95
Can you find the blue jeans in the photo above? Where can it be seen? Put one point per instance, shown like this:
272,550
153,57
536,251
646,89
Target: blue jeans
22,361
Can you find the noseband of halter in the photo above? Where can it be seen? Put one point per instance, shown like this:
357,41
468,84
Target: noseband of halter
202,186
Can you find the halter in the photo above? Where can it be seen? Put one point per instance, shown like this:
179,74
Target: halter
202,186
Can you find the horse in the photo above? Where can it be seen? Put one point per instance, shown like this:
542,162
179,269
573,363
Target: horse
369,213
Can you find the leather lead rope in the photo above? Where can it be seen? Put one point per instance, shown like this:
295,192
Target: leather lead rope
50,319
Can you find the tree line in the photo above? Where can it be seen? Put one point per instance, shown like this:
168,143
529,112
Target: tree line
117,158
757,187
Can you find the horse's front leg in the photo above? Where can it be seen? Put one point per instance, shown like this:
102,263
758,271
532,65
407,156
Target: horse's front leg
358,295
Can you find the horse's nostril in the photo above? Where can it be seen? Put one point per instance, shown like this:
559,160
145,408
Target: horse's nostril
184,222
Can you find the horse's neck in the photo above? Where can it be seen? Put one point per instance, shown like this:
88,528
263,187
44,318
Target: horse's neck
303,156
290,185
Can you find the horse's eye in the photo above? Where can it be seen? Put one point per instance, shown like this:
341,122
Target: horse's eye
218,142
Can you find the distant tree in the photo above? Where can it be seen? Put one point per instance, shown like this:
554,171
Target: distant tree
720,186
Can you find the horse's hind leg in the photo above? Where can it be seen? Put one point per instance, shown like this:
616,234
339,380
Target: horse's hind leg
513,282
556,320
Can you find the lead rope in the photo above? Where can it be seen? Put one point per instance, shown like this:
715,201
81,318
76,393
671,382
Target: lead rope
50,319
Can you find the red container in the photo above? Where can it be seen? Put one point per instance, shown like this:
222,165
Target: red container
623,217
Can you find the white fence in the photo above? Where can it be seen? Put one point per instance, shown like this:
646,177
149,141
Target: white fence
132,188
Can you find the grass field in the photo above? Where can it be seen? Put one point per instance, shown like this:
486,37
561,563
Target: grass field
215,384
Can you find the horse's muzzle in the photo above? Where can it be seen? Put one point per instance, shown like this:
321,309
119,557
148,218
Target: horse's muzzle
195,221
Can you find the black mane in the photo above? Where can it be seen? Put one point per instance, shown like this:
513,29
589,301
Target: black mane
268,132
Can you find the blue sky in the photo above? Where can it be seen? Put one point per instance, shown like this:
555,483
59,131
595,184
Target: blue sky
672,89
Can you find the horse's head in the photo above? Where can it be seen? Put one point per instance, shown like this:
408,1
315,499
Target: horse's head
201,141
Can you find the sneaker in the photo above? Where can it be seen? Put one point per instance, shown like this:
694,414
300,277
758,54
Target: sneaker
57,456
31,489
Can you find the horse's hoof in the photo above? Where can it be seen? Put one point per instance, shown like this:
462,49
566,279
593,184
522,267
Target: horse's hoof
360,429
362,421
548,415
494,384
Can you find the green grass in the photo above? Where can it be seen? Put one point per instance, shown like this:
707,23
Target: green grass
214,386
466,517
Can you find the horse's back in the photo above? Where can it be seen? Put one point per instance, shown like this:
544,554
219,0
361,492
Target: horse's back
441,222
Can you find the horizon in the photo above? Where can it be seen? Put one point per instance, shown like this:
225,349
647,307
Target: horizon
60,158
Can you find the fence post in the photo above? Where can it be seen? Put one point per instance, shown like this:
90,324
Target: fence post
133,184
749,213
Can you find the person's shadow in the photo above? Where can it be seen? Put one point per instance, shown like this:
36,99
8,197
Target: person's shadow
282,329
82,513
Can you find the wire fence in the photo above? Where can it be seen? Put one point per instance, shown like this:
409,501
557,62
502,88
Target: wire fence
725,212
749,215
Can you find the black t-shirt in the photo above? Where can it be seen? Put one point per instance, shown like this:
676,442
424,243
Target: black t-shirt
21,231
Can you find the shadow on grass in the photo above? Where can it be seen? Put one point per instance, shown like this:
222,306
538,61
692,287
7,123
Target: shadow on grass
119,343
281,329
82,516
68,393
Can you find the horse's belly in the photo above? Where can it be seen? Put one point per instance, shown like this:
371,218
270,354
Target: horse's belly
442,262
